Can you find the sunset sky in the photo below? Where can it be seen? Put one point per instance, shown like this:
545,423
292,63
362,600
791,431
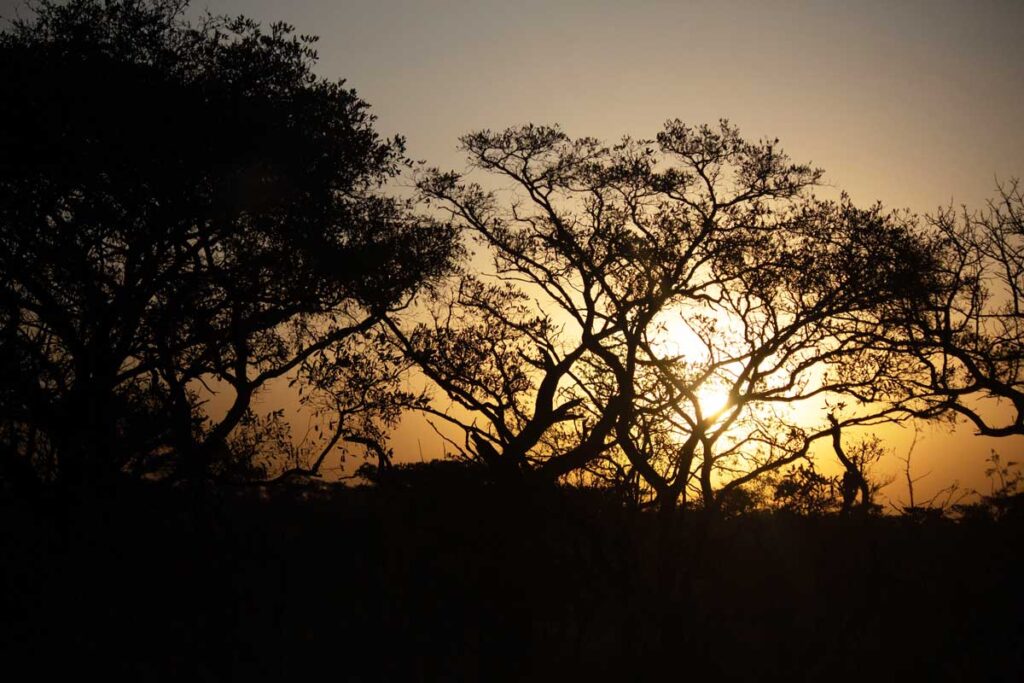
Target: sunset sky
913,103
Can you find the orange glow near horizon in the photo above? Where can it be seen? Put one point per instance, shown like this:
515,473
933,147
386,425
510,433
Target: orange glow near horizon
915,104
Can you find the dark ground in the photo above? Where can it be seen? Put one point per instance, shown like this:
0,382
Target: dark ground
472,582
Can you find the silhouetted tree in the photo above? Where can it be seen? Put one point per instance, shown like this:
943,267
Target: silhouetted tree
183,208
963,342
555,360
357,392
784,330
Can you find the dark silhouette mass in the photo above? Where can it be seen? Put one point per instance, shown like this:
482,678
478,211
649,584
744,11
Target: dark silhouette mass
654,363
181,205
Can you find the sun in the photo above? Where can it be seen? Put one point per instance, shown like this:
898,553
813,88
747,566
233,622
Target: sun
713,399
677,339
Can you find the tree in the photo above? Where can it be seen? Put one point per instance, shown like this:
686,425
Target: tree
180,205
962,341
357,387
556,359
777,344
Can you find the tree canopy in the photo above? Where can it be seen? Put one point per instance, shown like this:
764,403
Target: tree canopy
180,203
559,359
961,340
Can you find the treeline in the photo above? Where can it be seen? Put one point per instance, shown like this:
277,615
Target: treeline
187,209
442,580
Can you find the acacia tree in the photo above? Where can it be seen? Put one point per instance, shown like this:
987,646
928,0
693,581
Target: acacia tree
180,204
961,341
594,248
786,329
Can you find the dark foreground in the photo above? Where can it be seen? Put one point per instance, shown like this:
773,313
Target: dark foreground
475,583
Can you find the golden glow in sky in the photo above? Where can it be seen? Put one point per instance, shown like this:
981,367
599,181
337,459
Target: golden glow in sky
916,104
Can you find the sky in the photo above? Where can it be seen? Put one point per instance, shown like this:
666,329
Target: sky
917,104
912,103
